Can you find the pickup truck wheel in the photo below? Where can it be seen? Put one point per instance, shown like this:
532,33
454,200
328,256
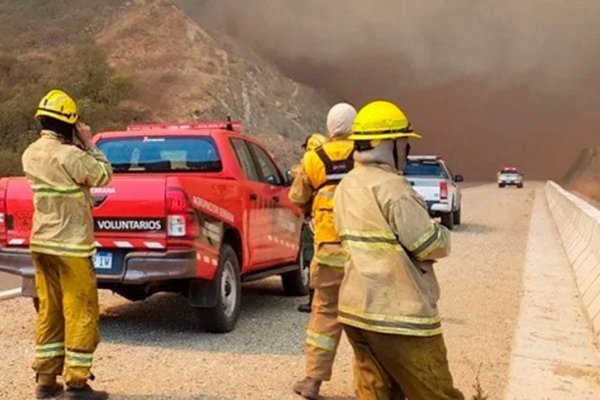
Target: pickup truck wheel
520,186
500,185
224,316
448,220
295,283
457,217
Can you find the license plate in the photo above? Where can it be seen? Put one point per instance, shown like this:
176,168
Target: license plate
103,260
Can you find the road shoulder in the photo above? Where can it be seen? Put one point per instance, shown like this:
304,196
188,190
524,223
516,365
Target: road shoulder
554,356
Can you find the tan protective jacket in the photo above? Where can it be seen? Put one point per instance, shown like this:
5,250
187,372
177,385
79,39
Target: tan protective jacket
389,284
313,187
60,176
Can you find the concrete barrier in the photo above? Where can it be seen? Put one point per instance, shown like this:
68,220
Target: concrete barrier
579,225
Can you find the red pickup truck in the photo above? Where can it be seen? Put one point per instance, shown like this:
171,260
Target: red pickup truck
195,209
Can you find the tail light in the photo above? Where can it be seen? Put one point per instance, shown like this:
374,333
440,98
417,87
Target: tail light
181,219
443,190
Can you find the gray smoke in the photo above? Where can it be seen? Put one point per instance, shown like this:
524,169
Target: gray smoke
487,83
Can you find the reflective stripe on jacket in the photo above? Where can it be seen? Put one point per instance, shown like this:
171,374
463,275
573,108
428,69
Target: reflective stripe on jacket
60,176
323,168
389,284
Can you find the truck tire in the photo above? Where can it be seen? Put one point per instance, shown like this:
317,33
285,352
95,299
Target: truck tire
520,186
295,283
457,217
448,220
223,317
500,185
36,304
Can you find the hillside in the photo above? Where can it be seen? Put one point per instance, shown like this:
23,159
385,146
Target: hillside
584,175
141,60
184,72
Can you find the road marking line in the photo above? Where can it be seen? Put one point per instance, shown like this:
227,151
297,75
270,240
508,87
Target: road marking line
7,294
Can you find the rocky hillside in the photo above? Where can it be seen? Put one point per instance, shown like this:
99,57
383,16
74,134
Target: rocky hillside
584,175
142,60
184,72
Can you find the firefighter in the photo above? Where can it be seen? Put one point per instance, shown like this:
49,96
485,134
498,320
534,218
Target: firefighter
323,168
312,142
62,243
387,302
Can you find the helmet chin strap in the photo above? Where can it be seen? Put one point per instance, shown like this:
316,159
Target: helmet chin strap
395,153
399,164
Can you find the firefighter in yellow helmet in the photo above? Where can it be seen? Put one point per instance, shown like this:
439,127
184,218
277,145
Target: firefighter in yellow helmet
312,142
323,168
62,244
388,298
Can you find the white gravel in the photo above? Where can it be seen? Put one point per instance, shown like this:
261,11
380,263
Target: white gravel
156,350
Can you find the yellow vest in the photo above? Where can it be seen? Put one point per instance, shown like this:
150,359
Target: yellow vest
325,167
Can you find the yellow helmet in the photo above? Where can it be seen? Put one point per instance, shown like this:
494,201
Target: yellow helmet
58,105
314,141
381,120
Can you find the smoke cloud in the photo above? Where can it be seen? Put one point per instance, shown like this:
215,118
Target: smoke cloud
487,83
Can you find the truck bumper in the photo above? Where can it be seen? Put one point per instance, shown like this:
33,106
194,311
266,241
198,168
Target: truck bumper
509,183
437,208
138,267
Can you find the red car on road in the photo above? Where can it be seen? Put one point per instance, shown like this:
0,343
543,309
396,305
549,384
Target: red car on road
195,209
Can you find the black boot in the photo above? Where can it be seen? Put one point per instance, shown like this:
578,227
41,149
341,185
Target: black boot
306,308
84,393
48,391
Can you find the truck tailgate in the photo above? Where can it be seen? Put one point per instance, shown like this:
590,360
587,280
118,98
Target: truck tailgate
19,212
428,188
130,212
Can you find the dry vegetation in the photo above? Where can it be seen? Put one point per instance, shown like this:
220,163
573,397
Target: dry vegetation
142,60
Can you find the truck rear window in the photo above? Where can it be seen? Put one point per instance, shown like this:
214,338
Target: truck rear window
162,154
424,168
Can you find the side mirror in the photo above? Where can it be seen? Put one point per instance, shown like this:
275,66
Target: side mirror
272,180
459,178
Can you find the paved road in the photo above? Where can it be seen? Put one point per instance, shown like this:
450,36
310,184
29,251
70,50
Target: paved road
9,282
156,349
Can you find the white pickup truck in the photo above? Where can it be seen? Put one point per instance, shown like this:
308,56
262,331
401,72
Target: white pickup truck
434,181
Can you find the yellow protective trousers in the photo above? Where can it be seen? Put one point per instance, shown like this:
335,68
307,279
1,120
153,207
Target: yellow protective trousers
396,367
67,331
324,330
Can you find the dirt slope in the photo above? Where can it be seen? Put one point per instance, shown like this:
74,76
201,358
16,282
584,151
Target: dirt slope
183,72
163,67
584,175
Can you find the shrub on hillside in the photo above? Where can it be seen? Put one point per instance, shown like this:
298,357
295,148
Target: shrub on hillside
83,72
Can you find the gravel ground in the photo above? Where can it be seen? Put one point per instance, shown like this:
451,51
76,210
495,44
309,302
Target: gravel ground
156,349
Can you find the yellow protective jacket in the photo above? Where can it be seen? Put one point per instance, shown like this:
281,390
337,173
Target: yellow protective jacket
60,175
389,284
322,170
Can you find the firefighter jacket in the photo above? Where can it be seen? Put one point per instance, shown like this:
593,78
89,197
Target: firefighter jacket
60,175
389,284
322,170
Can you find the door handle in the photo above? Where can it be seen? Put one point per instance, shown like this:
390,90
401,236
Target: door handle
253,196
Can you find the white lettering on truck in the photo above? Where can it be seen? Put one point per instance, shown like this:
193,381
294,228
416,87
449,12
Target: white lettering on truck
213,208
